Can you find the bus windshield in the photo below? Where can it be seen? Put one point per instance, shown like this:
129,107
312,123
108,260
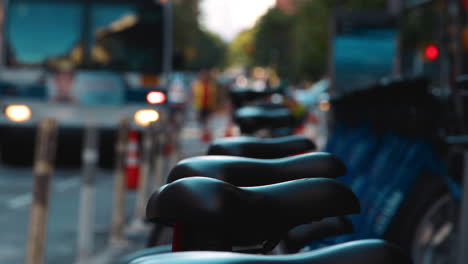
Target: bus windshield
38,31
100,35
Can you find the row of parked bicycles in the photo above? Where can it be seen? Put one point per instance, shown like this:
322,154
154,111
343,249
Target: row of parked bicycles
270,199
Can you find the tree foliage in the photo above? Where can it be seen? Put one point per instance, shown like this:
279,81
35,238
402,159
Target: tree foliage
296,46
273,41
241,49
311,35
210,51
194,47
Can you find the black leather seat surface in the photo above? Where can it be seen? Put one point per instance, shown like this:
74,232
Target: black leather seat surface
359,252
241,97
251,119
266,148
300,236
250,214
296,239
145,253
241,171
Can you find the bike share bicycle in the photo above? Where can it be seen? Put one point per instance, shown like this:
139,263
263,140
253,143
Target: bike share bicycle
396,167
201,183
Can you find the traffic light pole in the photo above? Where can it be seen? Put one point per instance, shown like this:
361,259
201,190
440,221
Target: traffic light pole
463,239
167,55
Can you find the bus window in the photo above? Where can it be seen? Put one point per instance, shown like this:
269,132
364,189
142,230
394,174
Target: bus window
127,37
121,36
38,32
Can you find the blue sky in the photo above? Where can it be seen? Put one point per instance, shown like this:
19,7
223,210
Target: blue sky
229,17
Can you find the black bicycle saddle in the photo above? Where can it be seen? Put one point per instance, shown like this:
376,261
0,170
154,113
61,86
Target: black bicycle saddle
242,171
240,97
249,215
358,252
251,119
300,236
268,148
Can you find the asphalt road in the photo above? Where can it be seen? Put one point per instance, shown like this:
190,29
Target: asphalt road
15,201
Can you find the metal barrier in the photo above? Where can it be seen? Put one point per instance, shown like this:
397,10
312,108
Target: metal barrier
144,179
159,154
158,159
85,240
43,170
118,207
463,254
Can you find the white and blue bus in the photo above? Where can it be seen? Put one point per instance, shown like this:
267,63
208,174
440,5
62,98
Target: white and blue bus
75,61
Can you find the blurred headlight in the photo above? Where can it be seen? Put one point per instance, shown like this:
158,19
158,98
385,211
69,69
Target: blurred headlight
18,113
145,117
156,97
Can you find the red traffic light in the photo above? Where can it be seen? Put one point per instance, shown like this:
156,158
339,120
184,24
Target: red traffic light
156,97
431,52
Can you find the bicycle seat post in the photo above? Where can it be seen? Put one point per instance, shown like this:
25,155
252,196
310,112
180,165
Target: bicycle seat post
190,238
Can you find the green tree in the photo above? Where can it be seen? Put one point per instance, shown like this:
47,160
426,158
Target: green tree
312,33
365,4
186,30
296,46
311,36
210,51
241,49
194,48
273,42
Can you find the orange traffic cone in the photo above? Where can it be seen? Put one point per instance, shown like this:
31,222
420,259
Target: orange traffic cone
228,132
168,147
300,129
206,136
132,169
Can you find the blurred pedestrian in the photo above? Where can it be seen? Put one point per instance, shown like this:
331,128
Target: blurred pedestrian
204,96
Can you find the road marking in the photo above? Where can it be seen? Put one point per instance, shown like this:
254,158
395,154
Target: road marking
9,253
20,201
25,200
191,133
67,184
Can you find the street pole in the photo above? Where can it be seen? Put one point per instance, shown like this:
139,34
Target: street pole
158,160
395,8
463,240
168,35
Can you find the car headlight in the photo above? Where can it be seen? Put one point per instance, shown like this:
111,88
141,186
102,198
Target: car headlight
18,113
145,117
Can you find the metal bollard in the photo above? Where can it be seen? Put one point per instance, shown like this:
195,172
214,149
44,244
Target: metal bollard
463,233
177,154
43,169
158,160
168,156
143,188
87,197
118,206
